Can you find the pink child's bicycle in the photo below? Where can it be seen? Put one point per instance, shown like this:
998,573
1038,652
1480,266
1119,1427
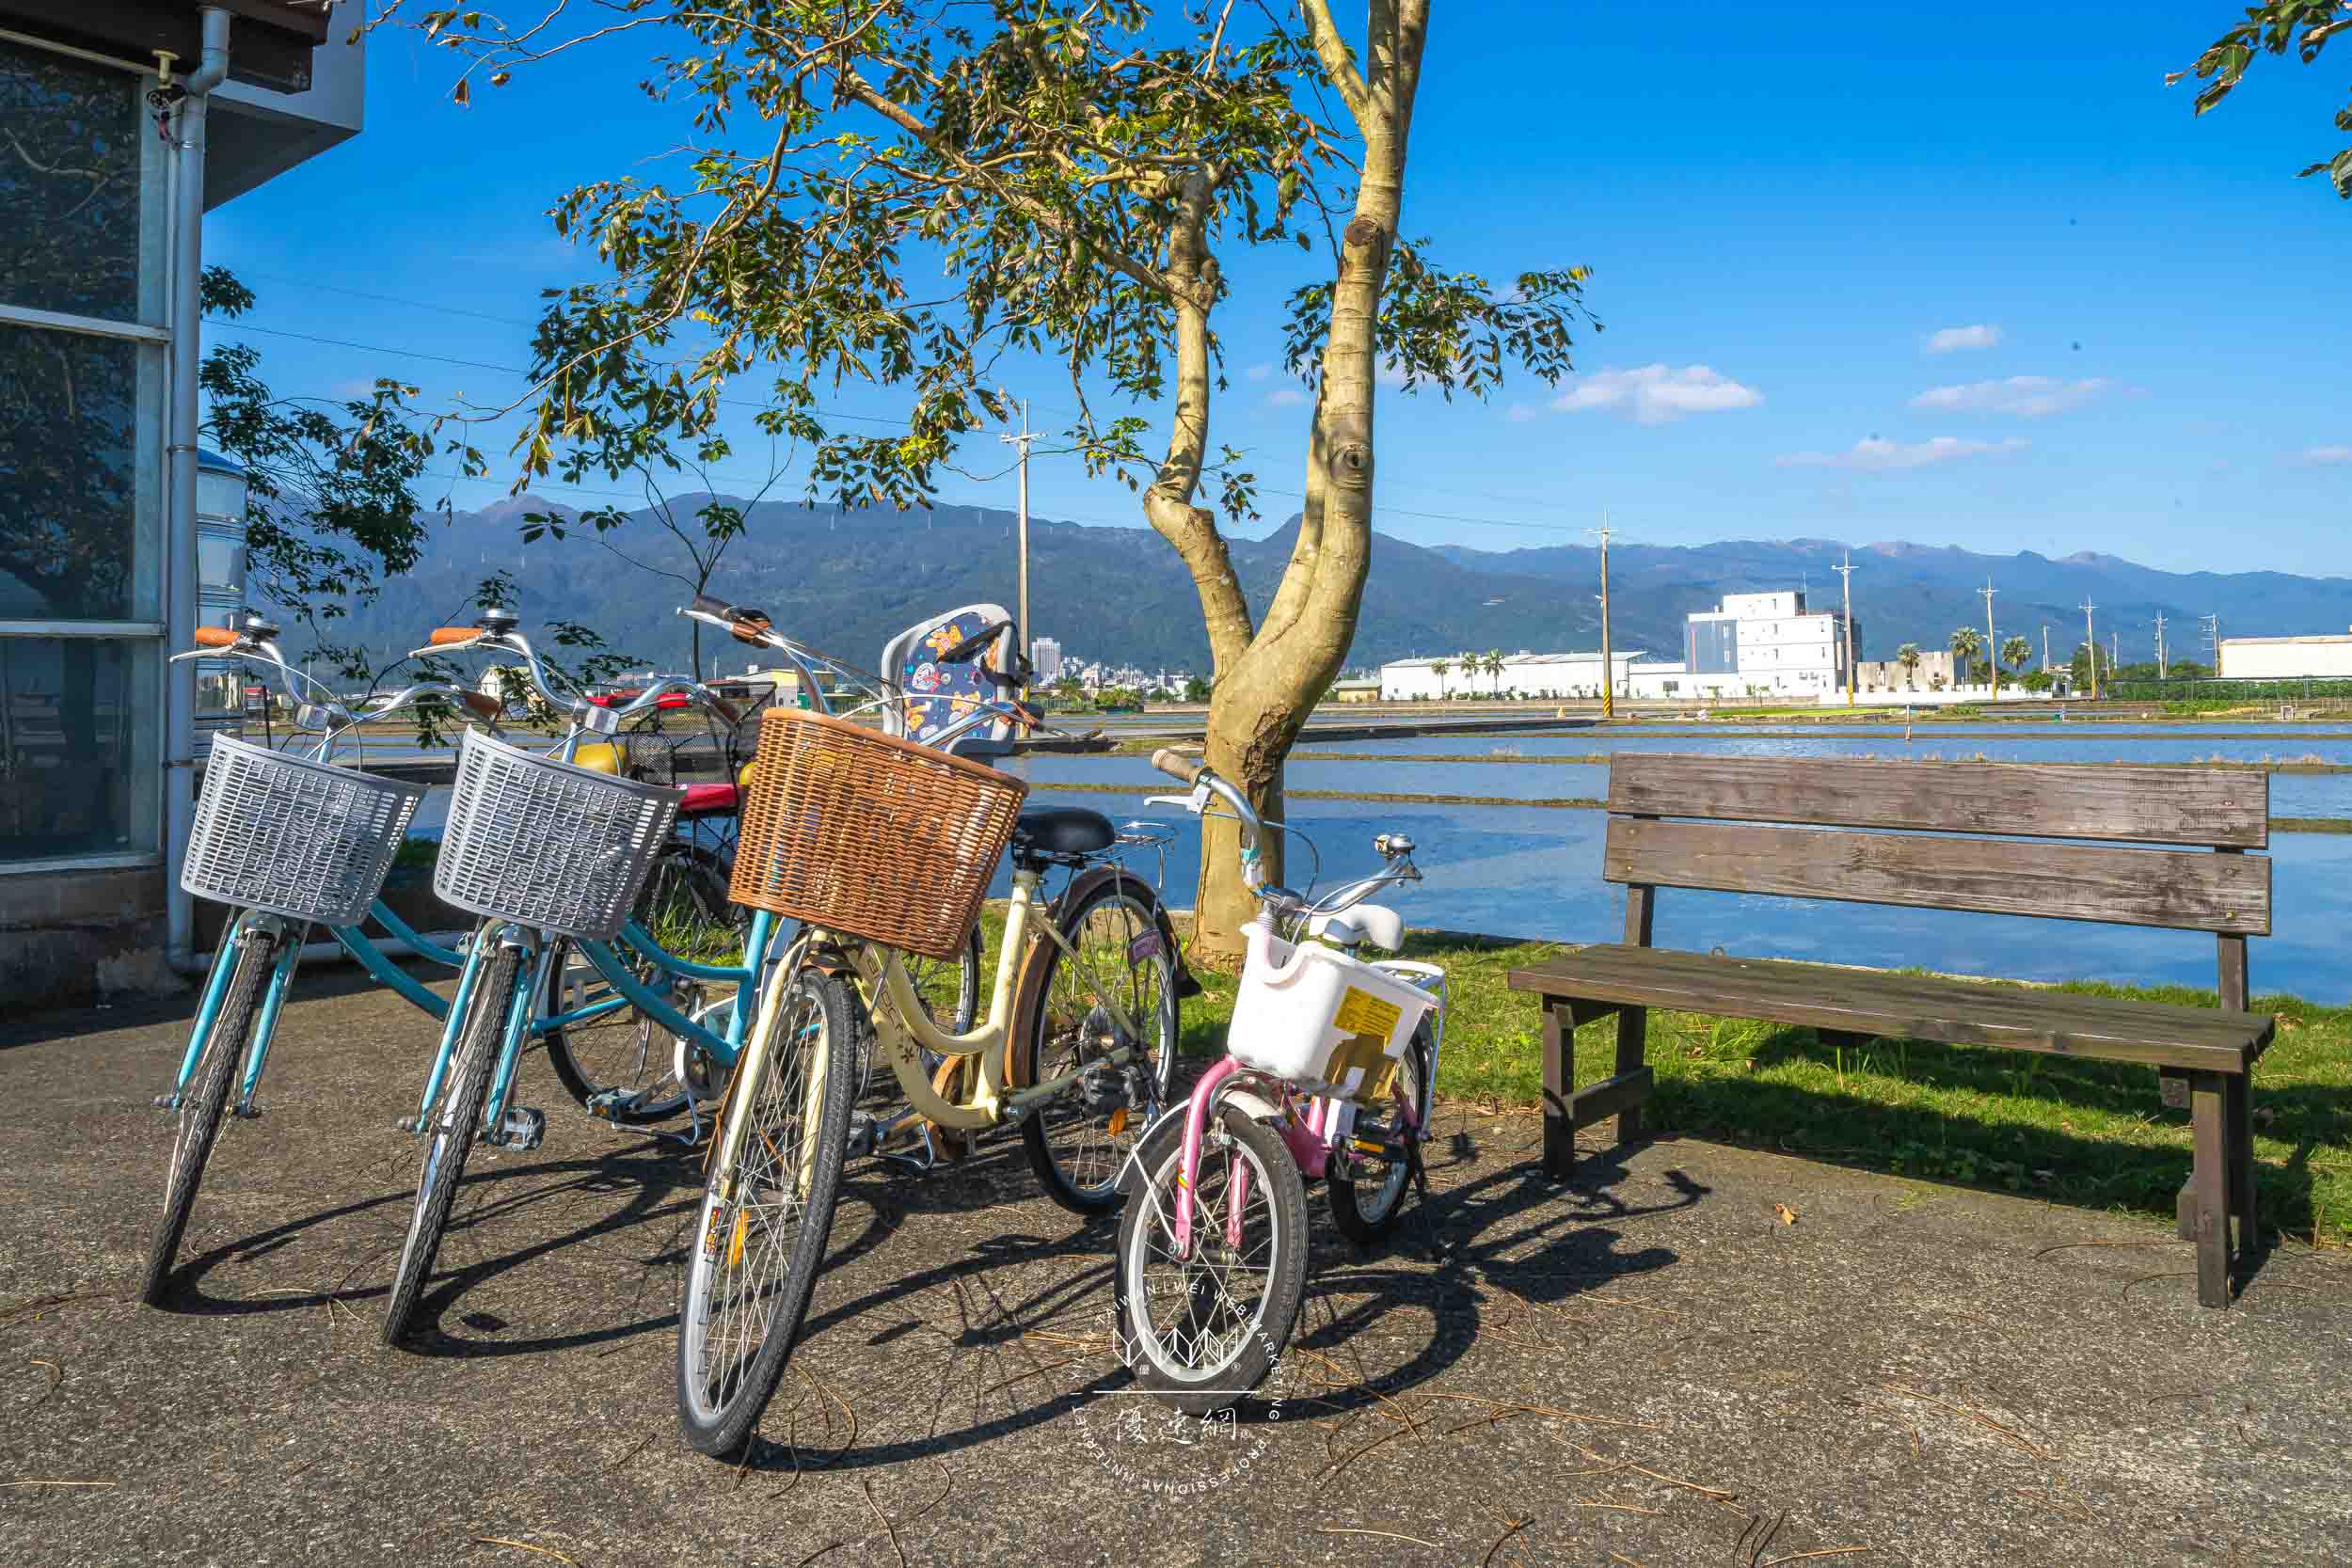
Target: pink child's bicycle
1330,1066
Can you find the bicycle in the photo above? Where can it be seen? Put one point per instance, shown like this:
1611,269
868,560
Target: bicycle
286,841
1209,1283
883,847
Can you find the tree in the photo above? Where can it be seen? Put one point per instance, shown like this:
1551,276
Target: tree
1493,663
2275,28
1908,657
2015,653
330,512
1074,172
1440,667
1967,642
1196,690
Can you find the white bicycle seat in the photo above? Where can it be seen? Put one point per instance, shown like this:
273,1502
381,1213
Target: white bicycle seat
1377,924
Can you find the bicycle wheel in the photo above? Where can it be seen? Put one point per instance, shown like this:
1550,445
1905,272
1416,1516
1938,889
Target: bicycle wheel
623,1068
760,1236
201,1104
1079,1139
1367,1212
453,1127
1203,1332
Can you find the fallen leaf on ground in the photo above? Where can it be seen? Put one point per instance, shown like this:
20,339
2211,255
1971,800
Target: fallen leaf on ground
1785,1215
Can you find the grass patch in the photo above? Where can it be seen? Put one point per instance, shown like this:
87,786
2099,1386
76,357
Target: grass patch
2089,1133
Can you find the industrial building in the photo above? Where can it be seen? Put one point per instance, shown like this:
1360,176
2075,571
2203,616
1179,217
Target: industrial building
1750,644
2278,658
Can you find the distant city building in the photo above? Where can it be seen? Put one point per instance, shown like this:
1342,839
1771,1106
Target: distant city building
1528,674
1361,690
2286,658
1766,643
1045,654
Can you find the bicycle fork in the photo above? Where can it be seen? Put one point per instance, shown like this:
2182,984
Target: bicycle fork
523,1127
246,930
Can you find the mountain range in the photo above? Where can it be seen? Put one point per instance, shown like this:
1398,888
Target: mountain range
847,581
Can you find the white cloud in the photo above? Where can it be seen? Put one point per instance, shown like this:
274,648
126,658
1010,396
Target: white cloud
1259,372
1520,413
1655,394
1875,453
2027,397
2329,454
1946,339
1286,396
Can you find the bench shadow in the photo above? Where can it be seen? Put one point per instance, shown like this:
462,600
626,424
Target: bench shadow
2046,1159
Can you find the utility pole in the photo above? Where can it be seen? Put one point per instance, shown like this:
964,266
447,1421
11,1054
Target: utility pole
2164,669
1608,670
2045,647
1845,570
1021,616
2091,645
1991,649
2213,642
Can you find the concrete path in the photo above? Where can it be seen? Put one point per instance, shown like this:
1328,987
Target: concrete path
1648,1365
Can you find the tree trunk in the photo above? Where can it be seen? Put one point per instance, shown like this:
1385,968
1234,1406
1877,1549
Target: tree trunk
1265,694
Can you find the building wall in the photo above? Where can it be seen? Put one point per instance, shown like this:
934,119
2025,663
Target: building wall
2286,658
1558,676
1886,675
1765,642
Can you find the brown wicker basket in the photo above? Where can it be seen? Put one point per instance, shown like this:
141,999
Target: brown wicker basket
861,832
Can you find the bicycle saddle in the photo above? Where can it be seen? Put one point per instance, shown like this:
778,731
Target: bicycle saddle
1062,830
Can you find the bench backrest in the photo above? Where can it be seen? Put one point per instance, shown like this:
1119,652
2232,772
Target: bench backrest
1755,825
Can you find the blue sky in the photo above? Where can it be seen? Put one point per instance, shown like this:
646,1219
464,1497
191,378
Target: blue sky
2141,347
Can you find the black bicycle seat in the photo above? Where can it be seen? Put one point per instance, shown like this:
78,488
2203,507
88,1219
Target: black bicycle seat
1062,830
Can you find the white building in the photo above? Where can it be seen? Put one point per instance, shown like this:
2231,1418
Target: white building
2286,658
1764,643
1523,674
1045,655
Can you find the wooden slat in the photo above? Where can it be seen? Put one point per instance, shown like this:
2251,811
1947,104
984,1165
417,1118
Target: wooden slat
1904,1007
1620,1096
2204,806
2183,890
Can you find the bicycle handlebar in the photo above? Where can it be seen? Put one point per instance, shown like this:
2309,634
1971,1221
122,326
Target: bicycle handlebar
1395,847
216,637
445,635
1176,766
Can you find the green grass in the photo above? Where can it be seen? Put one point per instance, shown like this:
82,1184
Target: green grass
2088,1134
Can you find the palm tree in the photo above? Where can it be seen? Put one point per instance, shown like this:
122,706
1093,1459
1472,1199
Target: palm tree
1966,645
1440,667
1908,657
2015,653
1494,670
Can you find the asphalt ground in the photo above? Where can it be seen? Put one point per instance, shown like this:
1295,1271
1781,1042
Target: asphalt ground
1688,1354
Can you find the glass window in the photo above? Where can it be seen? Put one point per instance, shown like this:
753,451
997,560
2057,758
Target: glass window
70,190
78,470
77,746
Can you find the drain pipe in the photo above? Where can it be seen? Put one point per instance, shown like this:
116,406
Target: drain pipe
179,528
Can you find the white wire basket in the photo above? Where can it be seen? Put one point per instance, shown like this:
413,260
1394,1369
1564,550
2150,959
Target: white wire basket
546,844
292,836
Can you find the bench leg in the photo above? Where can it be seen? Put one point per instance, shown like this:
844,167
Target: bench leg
2238,1130
1632,1042
2211,1179
1559,1084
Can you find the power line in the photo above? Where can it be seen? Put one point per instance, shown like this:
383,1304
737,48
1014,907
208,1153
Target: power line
388,299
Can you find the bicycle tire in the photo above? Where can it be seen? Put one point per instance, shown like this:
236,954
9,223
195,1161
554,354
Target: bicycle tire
1251,1346
457,1119
199,1124
1078,1162
718,1414
1365,1213
581,1058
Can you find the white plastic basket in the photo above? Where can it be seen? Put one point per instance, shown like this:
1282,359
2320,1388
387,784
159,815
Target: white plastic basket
546,844
1319,1019
292,836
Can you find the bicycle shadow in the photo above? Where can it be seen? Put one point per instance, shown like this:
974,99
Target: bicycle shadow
1513,1234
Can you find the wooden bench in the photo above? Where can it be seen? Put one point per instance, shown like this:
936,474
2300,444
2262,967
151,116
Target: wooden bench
1755,826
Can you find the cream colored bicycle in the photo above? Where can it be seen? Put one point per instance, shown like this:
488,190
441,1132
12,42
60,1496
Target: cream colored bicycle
884,848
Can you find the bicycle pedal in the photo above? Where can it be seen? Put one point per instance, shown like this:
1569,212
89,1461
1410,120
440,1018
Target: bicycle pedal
246,1112
520,1130
862,1134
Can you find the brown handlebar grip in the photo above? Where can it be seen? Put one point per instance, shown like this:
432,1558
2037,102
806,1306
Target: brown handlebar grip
727,712
749,626
216,637
1179,766
443,636
483,704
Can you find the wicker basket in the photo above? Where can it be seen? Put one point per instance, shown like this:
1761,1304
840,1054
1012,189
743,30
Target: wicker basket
548,844
862,832
293,836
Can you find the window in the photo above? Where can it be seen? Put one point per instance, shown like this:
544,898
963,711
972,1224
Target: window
82,395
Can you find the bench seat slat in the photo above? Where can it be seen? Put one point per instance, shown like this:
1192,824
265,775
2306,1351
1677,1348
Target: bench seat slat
2210,807
1907,1006
2178,889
